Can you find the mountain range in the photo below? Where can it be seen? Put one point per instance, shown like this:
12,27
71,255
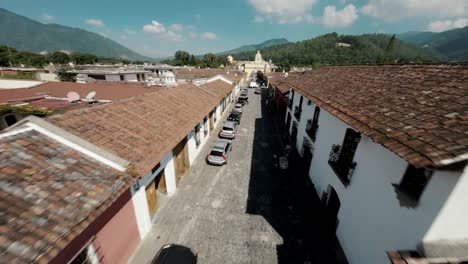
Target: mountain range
255,47
342,49
25,34
451,45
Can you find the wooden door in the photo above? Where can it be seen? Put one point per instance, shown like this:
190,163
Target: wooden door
211,122
152,199
181,159
161,182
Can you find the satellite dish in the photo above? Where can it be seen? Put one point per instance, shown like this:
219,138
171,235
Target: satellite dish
91,95
73,96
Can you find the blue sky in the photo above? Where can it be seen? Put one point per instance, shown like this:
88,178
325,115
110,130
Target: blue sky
158,28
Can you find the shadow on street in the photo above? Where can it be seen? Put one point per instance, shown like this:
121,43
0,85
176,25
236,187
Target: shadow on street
287,199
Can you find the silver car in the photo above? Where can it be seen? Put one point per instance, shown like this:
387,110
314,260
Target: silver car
238,107
219,153
228,130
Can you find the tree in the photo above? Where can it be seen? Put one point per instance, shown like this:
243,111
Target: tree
209,59
59,57
65,76
182,57
81,58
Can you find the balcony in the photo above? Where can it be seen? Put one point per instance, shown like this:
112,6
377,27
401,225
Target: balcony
311,129
290,102
297,113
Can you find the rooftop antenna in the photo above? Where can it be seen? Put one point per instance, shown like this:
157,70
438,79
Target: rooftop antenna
90,97
73,96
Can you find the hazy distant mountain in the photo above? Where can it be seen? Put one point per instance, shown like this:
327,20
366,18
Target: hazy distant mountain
452,45
363,49
26,34
255,47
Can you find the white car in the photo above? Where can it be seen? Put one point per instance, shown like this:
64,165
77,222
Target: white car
238,107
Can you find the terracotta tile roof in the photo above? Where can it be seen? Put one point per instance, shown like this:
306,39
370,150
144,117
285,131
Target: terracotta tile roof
413,257
104,90
49,193
219,88
141,129
191,74
418,112
280,81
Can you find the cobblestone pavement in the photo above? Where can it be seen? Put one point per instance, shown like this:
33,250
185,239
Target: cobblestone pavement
237,213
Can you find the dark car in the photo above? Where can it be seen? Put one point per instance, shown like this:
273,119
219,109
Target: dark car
174,254
235,116
243,100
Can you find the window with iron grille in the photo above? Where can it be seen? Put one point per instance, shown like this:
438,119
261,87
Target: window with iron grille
298,110
341,157
291,99
412,185
312,125
205,126
197,136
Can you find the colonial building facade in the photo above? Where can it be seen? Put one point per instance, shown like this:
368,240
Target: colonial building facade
386,150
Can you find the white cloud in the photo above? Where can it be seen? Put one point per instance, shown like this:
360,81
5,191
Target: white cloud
392,10
104,34
124,37
341,18
443,25
129,31
209,35
176,27
259,19
94,22
171,35
283,11
192,35
47,17
154,27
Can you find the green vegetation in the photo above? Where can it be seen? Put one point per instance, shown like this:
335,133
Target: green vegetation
27,34
208,60
12,57
451,45
364,49
19,75
255,47
26,110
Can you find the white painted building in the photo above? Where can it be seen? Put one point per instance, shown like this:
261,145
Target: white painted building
114,75
384,201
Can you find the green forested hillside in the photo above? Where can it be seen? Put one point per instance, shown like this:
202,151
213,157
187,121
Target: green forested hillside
323,50
255,47
26,34
451,45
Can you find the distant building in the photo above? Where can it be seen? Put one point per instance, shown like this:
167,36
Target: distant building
342,44
114,75
258,65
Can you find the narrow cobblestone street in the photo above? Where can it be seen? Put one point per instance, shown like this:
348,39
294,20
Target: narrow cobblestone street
237,213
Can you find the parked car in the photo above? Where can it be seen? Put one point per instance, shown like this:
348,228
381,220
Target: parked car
235,116
258,91
243,100
175,254
238,107
228,130
219,153
244,92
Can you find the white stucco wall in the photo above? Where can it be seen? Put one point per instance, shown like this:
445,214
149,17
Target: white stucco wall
140,206
193,150
451,223
371,220
130,77
113,77
170,175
